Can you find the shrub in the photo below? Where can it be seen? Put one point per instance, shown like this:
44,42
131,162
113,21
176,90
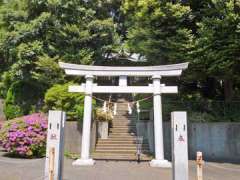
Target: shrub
11,111
58,98
22,98
25,136
103,116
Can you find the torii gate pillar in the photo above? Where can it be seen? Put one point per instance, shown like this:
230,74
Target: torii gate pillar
86,130
159,160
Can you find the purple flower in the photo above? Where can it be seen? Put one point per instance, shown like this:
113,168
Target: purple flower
25,136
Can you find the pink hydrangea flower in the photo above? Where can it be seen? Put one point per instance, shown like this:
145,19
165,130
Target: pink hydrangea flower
25,136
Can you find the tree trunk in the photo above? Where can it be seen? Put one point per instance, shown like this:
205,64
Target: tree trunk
228,90
210,87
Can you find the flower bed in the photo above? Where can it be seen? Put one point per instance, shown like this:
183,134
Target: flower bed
25,136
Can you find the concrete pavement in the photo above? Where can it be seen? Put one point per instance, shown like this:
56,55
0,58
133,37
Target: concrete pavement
19,169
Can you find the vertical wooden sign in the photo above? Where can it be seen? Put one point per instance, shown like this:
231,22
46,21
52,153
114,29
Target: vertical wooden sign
179,145
55,145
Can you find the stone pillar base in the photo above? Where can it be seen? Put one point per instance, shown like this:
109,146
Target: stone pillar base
83,162
160,163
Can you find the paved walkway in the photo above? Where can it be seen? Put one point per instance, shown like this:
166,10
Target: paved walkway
18,169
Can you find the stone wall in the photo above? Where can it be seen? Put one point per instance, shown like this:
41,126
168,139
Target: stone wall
217,141
73,137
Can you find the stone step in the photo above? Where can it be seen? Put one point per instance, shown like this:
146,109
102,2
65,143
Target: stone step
115,130
124,115
133,157
116,141
122,138
120,146
122,108
119,151
115,125
122,130
124,123
121,143
124,120
122,133
131,123
120,114
124,104
123,126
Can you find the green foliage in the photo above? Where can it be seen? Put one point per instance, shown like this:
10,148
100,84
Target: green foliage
47,71
156,30
145,104
11,111
71,155
204,110
218,42
22,98
35,35
103,116
217,46
58,98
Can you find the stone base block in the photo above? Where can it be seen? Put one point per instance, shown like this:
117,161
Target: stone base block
160,163
83,162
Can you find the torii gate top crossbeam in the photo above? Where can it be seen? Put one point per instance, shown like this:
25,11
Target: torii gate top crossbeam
144,71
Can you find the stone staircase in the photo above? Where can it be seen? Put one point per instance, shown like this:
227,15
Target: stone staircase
121,143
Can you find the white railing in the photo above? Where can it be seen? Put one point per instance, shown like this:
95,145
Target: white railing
115,109
105,106
138,107
129,109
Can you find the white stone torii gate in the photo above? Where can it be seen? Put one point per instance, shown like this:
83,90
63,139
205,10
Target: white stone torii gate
156,72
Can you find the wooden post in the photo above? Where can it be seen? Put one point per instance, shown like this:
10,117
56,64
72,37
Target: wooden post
51,163
199,161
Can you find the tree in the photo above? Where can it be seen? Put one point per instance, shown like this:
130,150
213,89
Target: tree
35,35
217,46
157,30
